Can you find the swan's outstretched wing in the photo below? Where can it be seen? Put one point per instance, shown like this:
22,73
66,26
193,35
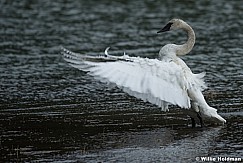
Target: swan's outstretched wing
151,80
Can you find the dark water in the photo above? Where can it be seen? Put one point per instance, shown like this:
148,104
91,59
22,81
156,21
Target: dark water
52,112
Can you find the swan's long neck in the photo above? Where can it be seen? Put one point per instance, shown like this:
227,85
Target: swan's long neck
186,47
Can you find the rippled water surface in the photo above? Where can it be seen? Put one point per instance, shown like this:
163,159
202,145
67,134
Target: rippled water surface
50,111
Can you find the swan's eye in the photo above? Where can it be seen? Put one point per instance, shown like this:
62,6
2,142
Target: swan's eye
166,28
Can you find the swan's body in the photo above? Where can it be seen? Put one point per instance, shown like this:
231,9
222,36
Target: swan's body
161,82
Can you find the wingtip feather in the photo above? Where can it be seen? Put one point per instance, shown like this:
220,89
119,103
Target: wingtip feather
106,51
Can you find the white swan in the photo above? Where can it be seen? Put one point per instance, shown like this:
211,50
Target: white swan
161,82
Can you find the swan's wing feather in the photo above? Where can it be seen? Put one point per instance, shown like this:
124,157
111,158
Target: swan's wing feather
151,80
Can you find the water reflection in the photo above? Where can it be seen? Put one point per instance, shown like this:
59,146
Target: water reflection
51,112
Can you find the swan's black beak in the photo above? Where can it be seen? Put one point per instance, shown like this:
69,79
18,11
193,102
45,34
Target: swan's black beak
166,28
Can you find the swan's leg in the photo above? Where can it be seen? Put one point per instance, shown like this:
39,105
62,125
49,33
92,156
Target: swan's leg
195,108
193,122
200,119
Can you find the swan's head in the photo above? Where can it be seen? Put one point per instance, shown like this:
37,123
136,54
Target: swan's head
173,24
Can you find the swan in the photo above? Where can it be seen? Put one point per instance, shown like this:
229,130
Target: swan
163,81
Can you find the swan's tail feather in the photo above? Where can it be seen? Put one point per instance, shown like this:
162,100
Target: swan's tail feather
211,113
221,119
216,115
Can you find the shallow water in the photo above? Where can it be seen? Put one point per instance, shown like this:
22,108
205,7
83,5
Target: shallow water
53,112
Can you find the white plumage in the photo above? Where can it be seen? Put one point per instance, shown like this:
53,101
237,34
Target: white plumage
160,82
151,80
